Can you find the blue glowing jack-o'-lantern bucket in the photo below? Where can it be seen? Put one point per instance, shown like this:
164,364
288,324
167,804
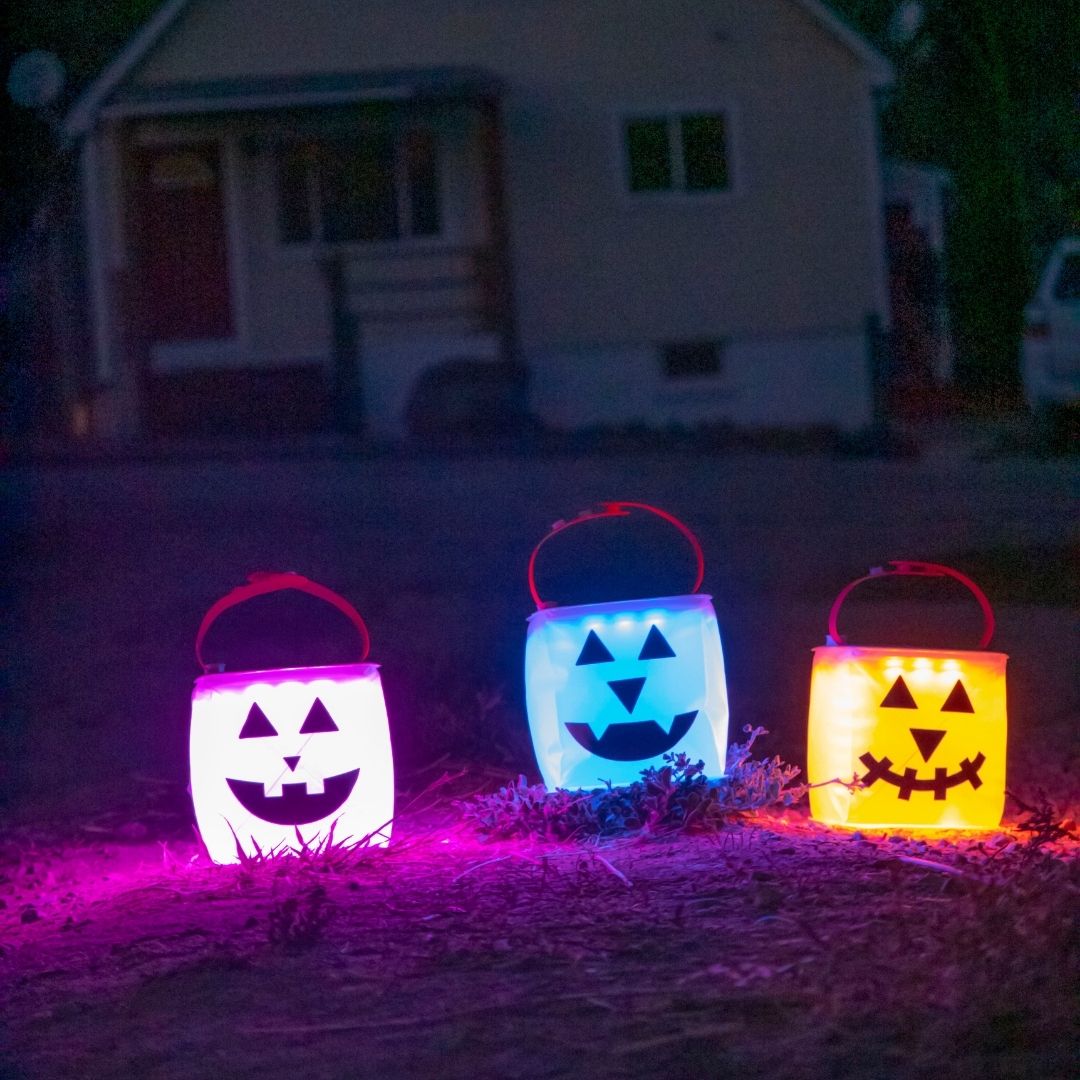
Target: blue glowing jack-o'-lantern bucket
922,730
612,687
289,757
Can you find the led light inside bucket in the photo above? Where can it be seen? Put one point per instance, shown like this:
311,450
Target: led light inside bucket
290,757
924,731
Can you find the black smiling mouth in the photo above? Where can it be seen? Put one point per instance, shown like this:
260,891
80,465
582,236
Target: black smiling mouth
909,781
633,740
294,806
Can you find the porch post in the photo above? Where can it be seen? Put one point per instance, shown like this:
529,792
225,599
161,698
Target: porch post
347,388
498,280
132,300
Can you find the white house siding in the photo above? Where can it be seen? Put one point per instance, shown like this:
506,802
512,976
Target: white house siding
769,383
784,268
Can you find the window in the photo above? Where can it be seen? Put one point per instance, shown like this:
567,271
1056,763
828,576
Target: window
378,186
686,152
690,359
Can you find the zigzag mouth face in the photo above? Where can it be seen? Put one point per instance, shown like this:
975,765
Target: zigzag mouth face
909,780
294,806
633,740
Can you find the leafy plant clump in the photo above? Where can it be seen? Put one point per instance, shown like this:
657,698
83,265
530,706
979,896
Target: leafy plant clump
676,797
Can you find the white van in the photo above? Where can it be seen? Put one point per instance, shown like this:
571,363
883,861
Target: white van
1050,364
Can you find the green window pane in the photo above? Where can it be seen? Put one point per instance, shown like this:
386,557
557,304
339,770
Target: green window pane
422,167
648,155
704,153
357,190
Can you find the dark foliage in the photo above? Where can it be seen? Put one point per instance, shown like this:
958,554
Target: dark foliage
674,797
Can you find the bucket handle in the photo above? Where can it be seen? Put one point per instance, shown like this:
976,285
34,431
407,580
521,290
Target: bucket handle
261,583
914,569
614,509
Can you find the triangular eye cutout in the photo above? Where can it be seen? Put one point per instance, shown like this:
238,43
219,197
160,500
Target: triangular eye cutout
317,719
958,700
899,696
656,646
594,651
256,726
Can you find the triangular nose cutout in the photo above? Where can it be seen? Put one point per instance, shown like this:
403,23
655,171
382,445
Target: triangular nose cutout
927,741
627,691
292,762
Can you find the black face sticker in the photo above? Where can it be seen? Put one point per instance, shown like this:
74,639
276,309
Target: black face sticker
627,691
594,651
958,700
256,726
294,806
927,740
633,741
656,646
899,696
317,719
909,781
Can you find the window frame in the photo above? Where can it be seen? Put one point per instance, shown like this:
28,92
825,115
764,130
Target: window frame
313,201
673,114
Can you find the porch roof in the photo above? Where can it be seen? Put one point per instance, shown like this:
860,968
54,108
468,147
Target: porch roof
248,93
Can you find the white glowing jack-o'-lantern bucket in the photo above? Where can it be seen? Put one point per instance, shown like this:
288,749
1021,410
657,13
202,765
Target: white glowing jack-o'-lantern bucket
612,687
290,756
923,730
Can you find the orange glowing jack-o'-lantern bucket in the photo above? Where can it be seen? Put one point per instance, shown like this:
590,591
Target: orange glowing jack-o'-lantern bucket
287,757
922,730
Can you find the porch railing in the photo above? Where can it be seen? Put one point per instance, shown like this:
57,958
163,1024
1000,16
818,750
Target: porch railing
452,287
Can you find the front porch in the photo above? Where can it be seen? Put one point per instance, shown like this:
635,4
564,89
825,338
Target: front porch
277,255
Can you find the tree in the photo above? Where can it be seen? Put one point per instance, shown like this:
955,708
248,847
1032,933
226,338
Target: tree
85,34
988,91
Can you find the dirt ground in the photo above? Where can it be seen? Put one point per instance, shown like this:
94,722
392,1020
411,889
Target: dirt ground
775,948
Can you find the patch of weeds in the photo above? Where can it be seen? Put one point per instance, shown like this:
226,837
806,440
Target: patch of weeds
1042,822
297,923
677,796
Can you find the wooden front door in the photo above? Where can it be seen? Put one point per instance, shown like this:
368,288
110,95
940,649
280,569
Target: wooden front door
181,244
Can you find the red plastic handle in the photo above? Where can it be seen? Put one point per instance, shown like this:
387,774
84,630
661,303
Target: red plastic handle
259,584
915,569
614,509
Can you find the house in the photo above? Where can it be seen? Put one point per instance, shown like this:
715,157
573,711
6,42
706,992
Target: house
667,211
